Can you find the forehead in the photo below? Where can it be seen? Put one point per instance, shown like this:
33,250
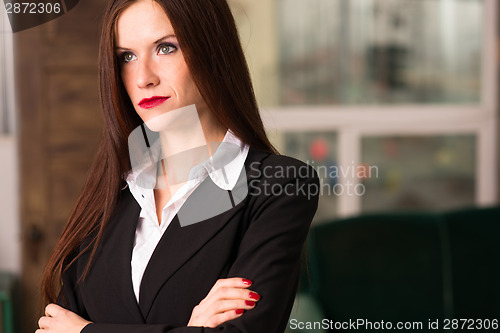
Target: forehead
142,21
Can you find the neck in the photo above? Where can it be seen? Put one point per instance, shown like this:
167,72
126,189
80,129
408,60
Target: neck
188,137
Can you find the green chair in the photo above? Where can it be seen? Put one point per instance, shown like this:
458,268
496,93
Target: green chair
404,267
7,282
380,267
475,250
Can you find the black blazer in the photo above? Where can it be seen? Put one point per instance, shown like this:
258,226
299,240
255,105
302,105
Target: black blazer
260,239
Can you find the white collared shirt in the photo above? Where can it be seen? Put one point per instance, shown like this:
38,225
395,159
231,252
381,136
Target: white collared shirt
231,154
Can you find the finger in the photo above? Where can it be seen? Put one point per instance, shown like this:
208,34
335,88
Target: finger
231,293
228,305
236,282
52,310
44,322
235,293
225,299
221,318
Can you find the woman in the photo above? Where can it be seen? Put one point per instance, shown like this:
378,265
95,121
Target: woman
217,251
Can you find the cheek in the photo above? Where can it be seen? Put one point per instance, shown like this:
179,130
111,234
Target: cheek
129,84
127,81
183,78
189,87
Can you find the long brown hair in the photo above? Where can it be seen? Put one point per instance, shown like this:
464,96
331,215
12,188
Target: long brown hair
207,35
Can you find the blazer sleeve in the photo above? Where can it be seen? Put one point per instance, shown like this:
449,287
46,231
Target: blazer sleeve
68,296
268,254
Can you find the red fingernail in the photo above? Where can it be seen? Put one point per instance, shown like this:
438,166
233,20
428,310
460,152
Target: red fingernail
254,296
250,303
239,311
247,282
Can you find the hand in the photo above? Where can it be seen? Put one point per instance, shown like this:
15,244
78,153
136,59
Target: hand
60,320
228,299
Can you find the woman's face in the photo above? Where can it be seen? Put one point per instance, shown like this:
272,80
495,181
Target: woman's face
153,69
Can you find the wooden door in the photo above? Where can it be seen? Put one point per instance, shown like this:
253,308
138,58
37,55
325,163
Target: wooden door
60,127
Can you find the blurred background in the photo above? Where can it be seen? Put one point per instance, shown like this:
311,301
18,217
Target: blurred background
394,102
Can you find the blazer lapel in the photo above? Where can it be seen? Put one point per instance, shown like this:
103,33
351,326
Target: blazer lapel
179,243
117,252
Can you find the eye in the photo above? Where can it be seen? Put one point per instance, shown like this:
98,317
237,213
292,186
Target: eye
166,48
127,57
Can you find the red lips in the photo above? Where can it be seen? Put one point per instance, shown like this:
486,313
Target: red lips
148,103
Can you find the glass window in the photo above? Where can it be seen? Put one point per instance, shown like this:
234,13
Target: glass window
421,57
379,51
318,149
7,114
419,173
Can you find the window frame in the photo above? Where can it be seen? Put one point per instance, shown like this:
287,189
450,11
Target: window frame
7,81
353,122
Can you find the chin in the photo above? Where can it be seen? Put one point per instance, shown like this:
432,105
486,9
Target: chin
184,118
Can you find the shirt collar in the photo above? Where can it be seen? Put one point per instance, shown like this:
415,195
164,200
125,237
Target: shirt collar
223,167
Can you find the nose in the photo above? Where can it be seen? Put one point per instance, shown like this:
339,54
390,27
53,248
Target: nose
147,75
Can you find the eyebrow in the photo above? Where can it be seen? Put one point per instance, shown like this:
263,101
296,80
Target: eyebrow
155,43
